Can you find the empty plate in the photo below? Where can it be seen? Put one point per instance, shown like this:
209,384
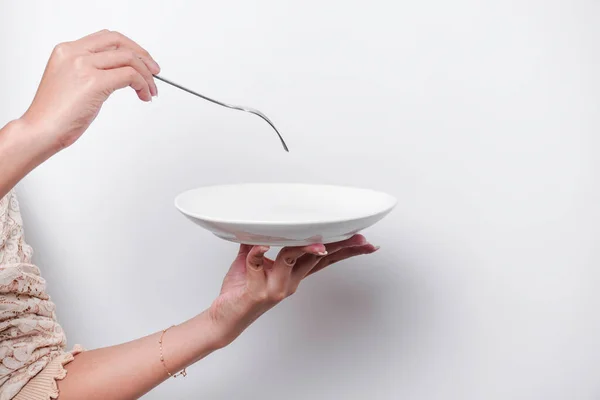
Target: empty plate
284,214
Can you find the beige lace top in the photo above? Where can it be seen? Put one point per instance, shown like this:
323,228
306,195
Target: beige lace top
32,343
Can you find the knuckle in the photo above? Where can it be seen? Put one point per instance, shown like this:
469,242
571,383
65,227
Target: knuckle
79,63
92,81
61,50
131,72
114,36
255,261
278,296
262,296
131,57
289,260
104,31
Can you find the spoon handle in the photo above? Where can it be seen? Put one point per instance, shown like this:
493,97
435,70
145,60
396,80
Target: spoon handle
234,107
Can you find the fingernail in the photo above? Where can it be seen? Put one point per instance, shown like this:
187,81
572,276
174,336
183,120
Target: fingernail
376,248
322,253
318,249
263,249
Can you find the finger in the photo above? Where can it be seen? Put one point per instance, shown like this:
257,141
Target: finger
108,40
280,274
123,58
343,254
256,257
308,262
119,78
255,262
241,256
356,240
289,255
244,250
303,266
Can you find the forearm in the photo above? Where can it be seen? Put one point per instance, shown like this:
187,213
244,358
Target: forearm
21,150
129,370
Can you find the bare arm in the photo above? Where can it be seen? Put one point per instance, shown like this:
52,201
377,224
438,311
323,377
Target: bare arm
79,77
20,152
129,370
253,285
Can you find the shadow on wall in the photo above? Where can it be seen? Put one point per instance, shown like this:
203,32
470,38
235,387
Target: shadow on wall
337,328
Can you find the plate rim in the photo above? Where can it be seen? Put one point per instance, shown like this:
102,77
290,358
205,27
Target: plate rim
389,208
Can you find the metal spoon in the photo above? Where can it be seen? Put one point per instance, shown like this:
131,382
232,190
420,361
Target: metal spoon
234,107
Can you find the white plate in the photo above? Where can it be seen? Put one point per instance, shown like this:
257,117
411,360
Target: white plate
284,214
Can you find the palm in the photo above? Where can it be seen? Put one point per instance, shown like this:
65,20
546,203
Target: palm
235,280
234,291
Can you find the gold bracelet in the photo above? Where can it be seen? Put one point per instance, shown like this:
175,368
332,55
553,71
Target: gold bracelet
162,358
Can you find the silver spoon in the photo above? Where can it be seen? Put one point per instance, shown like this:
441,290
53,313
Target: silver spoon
247,109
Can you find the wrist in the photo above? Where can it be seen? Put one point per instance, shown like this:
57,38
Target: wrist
229,323
32,138
215,334
187,343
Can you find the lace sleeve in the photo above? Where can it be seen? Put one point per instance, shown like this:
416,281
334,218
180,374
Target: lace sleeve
30,336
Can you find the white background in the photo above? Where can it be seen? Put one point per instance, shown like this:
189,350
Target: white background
482,117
